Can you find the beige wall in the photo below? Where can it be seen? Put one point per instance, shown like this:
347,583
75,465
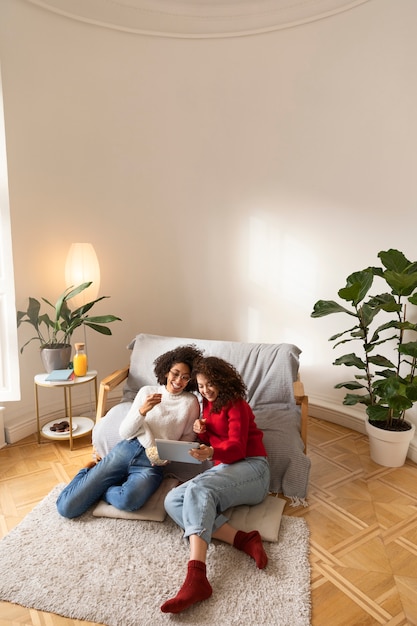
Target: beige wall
226,184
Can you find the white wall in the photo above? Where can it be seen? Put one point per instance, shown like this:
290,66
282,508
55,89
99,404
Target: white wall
226,184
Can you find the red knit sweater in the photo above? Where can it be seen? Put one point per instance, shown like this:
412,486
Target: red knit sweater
232,433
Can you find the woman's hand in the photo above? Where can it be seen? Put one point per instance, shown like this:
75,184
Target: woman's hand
152,400
203,453
199,426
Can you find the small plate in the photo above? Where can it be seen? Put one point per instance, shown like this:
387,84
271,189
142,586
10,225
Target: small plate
65,432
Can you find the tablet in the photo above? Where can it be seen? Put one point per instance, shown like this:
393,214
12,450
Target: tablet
170,450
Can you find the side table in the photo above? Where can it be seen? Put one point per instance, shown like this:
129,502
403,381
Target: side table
78,426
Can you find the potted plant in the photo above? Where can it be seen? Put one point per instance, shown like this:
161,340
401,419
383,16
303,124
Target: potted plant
54,332
386,382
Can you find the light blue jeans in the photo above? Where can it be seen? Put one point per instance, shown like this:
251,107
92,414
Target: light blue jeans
124,478
197,506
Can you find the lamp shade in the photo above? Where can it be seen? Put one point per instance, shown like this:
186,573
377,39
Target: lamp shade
82,266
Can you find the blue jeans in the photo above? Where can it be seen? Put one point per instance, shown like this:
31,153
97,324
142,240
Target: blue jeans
124,478
197,506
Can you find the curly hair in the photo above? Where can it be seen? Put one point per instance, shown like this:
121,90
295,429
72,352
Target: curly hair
182,354
224,376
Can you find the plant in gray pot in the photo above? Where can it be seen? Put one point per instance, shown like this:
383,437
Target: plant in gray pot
386,358
54,332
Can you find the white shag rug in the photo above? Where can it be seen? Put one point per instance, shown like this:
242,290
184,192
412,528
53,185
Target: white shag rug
119,572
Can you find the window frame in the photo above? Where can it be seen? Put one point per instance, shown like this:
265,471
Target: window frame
9,353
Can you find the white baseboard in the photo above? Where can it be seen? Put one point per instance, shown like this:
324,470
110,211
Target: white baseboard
338,416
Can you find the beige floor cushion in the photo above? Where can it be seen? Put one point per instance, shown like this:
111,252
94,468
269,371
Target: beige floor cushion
264,517
153,510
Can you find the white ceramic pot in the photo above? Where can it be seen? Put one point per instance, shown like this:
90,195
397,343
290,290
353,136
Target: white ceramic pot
387,447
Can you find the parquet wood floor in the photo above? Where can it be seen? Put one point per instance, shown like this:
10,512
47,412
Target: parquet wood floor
362,519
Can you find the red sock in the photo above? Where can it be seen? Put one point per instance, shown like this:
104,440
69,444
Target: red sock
195,588
251,543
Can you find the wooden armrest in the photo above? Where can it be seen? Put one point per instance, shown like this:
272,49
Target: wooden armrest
106,385
302,400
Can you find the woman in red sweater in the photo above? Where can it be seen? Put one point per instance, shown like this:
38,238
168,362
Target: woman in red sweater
240,475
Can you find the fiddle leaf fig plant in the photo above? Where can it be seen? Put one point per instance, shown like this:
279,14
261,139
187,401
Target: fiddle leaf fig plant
55,330
385,341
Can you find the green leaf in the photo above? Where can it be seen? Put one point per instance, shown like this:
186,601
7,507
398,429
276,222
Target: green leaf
388,385
385,302
352,330
357,286
33,311
351,360
72,292
100,329
351,399
351,384
387,373
401,284
367,314
327,307
413,299
399,404
84,308
378,413
409,348
101,319
394,260
340,343
411,391
380,361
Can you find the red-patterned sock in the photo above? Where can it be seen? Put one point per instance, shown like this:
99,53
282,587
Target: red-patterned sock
251,543
195,588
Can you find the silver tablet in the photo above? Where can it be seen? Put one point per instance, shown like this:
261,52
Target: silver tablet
176,450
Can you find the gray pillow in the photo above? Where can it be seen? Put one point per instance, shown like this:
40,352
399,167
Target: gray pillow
106,432
290,467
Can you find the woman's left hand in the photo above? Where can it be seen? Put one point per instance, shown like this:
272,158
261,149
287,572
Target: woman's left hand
203,453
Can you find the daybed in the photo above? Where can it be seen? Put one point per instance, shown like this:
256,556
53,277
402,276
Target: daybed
275,393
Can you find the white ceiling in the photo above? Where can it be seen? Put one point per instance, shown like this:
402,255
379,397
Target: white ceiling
198,18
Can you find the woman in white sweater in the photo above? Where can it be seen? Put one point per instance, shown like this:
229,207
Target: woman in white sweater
129,474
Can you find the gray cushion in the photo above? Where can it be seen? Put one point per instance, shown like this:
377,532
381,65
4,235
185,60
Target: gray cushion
290,467
106,432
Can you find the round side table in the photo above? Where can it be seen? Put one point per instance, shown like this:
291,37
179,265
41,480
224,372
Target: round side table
78,426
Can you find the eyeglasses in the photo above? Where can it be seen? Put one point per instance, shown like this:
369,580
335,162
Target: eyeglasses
185,377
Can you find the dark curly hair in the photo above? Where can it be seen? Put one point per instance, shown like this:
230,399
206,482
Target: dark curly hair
182,354
224,376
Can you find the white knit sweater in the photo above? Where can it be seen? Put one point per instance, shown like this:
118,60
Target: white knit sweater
172,418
